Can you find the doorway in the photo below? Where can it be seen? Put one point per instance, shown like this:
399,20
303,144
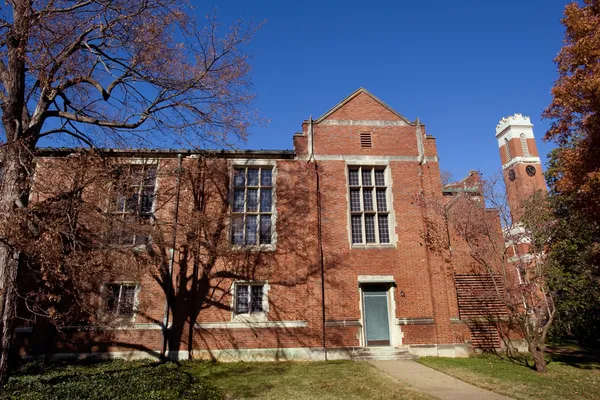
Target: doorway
376,314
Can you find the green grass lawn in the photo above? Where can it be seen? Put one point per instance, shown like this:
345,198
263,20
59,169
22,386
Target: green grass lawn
569,376
203,380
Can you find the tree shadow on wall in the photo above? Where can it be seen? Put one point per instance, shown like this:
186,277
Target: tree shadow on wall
197,278
207,265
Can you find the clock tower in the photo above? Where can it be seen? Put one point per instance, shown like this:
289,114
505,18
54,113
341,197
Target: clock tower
521,164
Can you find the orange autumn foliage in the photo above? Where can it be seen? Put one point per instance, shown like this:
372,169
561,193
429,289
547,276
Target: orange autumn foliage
575,109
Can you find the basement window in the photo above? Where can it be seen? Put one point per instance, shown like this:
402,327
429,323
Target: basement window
366,140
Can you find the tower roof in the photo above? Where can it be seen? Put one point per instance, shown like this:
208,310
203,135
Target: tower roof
513,120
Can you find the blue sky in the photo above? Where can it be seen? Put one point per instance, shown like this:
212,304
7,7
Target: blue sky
459,66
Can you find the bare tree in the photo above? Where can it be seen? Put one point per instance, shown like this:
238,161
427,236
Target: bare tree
70,237
446,177
110,73
487,242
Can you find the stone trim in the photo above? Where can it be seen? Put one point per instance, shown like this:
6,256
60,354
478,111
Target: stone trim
268,354
376,279
456,350
125,355
274,354
126,327
414,321
521,159
371,160
356,122
343,322
251,324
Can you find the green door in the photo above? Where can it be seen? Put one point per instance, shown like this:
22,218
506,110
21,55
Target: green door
375,308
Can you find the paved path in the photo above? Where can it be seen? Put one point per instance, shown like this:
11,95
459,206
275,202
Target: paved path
433,382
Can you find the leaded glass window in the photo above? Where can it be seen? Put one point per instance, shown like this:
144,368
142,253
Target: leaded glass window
249,298
119,299
133,203
369,211
252,220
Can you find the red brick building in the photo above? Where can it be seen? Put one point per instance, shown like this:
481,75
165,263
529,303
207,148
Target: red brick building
303,254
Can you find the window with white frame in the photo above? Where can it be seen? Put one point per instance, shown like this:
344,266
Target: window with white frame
249,298
252,210
133,202
119,300
369,209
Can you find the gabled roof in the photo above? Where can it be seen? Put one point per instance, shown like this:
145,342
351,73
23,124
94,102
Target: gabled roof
470,184
353,95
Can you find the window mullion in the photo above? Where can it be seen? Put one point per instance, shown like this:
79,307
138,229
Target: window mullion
119,300
258,194
372,172
376,215
360,182
245,213
361,195
140,191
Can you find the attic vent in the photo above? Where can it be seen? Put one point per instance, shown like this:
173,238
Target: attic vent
365,140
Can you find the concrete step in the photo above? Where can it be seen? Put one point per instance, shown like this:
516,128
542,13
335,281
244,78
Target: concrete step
382,353
385,358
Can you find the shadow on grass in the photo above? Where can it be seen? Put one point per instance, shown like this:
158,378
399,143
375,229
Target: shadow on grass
578,357
253,380
101,379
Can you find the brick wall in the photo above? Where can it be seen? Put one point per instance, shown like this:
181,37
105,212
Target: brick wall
423,286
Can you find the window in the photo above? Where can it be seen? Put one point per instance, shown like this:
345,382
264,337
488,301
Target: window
252,222
507,149
133,203
524,145
119,299
249,298
369,210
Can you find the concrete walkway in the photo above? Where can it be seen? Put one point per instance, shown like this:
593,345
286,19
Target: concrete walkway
435,383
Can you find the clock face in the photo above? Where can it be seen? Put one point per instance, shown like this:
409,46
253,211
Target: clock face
512,175
530,169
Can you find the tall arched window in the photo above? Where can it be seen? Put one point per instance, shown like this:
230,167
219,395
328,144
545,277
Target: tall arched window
524,145
507,148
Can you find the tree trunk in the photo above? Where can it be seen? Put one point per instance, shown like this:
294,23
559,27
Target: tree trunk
538,356
13,193
9,267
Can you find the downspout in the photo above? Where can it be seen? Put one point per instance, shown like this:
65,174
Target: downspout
171,261
421,160
319,234
193,310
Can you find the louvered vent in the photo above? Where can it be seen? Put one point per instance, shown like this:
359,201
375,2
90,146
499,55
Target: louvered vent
365,140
